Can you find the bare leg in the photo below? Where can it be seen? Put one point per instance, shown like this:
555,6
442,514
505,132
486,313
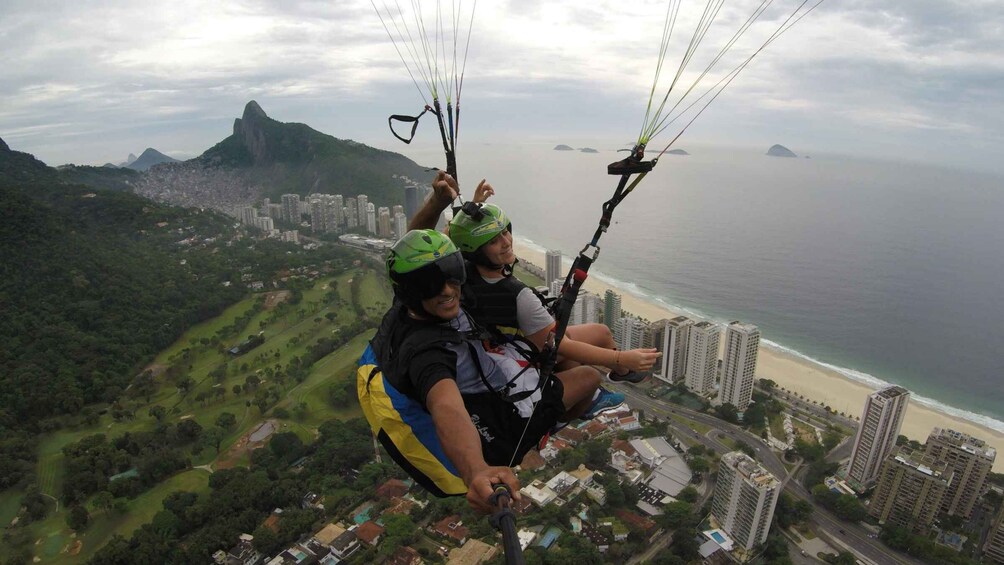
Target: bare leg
579,384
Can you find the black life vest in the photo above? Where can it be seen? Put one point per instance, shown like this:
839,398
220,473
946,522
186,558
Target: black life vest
493,305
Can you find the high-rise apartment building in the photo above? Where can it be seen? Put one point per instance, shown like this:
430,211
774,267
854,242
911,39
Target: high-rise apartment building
410,201
351,213
265,224
744,500
671,337
993,550
586,309
611,309
910,490
742,344
877,433
629,333
363,203
318,219
337,211
400,225
291,208
248,215
702,357
370,216
971,461
383,222
552,266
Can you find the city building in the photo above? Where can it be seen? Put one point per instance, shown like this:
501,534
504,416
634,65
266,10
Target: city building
971,461
265,224
400,225
552,266
371,224
742,344
248,215
744,499
351,213
993,550
383,222
629,333
877,433
410,200
671,337
911,486
291,208
586,309
611,309
702,357
362,203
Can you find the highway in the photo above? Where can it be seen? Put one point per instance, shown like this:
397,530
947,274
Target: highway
853,536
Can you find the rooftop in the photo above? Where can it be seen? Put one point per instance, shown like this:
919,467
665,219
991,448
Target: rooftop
891,392
965,442
752,471
922,463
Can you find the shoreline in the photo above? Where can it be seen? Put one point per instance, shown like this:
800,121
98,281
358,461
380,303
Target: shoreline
799,375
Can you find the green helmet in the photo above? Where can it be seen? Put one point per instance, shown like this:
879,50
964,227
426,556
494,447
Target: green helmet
421,262
475,225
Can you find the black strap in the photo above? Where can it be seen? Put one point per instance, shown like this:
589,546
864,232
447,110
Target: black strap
403,118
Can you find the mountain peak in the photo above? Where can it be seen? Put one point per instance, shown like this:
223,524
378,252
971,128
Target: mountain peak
253,110
3,146
149,158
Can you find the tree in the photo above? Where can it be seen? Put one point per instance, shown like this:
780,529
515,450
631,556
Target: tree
676,514
77,518
226,421
213,437
185,385
699,465
157,412
189,429
688,494
728,413
104,500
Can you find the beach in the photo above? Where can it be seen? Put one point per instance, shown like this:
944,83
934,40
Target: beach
800,376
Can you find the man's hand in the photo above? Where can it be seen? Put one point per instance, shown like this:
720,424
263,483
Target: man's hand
480,489
445,188
637,359
483,192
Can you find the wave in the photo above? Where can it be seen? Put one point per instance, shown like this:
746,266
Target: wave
858,376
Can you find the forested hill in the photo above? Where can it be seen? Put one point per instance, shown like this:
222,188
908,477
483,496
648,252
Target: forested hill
21,168
93,283
264,157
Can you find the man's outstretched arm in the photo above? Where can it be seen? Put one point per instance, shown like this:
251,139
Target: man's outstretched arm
462,445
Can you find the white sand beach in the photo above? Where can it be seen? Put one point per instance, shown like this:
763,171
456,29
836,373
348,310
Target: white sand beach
801,376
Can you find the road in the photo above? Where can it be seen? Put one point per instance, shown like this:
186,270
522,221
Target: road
854,536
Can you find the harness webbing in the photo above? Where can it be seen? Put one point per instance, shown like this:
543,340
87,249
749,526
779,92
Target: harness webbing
579,271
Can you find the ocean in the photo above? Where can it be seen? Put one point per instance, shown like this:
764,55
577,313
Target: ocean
887,272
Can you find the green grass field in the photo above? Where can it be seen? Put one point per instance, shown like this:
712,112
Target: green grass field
289,330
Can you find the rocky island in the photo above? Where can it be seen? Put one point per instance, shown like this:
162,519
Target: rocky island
780,151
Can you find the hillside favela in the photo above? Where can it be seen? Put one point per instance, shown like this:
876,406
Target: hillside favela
288,334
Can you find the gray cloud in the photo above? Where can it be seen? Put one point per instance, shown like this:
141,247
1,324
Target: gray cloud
893,78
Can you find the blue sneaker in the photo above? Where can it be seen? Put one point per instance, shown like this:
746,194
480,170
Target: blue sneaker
605,402
632,377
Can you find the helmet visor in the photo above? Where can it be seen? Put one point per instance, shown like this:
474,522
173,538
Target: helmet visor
428,282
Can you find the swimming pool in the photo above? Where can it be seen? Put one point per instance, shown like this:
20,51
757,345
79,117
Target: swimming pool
718,537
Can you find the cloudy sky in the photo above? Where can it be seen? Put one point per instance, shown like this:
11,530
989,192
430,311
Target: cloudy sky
91,81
